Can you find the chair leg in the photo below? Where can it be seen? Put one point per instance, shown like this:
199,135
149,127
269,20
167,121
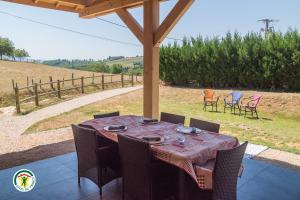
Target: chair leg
256,114
100,191
78,179
245,113
224,109
252,113
216,107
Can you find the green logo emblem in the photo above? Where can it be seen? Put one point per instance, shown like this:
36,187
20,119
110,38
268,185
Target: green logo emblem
24,180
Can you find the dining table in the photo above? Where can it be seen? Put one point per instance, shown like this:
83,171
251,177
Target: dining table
190,156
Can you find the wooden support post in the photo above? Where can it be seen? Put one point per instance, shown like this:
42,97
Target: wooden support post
13,83
82,84
151,60
51,82
32,82
122,80
36,95
63,82
58,89
132,80
93,79
18,108
40,84
102,81
72,79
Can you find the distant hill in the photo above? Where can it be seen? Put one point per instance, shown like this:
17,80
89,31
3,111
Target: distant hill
127,62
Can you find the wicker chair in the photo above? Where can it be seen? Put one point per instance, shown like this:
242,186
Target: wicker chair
205,125
102,141
234,102
172,118
225,175
250,105
112,114
95,163
143,177
210,99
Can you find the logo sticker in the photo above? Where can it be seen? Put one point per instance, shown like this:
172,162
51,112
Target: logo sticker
24,180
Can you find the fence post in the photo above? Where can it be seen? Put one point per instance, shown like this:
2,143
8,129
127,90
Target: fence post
82,85
13,83
27,81
63,82
32,82
58,89
17,99
40,84
111,78
93,79
122,79
132,80
36,95
72,79
51,82
102,82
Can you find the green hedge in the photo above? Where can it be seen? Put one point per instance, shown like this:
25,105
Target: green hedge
234,61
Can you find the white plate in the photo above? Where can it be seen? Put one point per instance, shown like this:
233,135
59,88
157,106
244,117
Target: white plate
185,130
162,139
106,128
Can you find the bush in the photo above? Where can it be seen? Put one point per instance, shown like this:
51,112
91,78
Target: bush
251,61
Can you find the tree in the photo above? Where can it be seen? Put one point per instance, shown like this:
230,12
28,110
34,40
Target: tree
117,69
21,53
6,47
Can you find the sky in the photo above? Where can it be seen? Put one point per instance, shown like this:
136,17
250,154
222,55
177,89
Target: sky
207,18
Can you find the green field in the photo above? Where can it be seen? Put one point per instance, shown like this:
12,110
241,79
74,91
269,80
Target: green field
278,126
126,62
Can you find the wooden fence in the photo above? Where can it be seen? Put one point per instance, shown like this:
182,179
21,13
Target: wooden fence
34,91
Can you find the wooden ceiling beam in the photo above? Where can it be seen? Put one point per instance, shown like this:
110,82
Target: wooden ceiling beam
170,21
52,5
109,6
132,24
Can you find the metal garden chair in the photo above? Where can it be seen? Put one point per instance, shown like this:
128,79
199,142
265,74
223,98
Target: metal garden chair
234,102
250,105
210,99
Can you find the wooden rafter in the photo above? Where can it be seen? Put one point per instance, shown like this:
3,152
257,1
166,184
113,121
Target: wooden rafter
132,24
63,5
170,21
109,6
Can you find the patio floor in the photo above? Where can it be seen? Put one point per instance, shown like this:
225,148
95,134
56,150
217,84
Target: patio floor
57,179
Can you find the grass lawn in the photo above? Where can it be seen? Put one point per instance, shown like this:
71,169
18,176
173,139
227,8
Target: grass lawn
278,126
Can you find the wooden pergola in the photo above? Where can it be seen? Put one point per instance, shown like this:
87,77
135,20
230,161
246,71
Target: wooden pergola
151,34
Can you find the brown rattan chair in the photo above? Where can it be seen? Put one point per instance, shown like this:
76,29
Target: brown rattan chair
172,118
112,114
205,125
99,164
143,177
225,175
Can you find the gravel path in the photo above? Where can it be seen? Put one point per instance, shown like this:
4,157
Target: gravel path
13,126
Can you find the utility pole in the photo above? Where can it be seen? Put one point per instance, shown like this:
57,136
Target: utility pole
268,25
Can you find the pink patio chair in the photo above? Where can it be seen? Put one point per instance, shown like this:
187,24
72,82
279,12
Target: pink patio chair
250,105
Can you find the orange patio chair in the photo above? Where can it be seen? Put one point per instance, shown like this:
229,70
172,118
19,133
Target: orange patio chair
210,99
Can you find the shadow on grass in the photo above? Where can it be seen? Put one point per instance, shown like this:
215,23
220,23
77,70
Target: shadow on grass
37,153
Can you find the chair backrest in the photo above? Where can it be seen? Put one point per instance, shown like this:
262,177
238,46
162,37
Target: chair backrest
227,166
135,161
112,114
255,99
236,96
209,94
205,125
172,118
86,146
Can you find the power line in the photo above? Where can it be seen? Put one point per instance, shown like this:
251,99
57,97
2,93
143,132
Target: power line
120,25
70,30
